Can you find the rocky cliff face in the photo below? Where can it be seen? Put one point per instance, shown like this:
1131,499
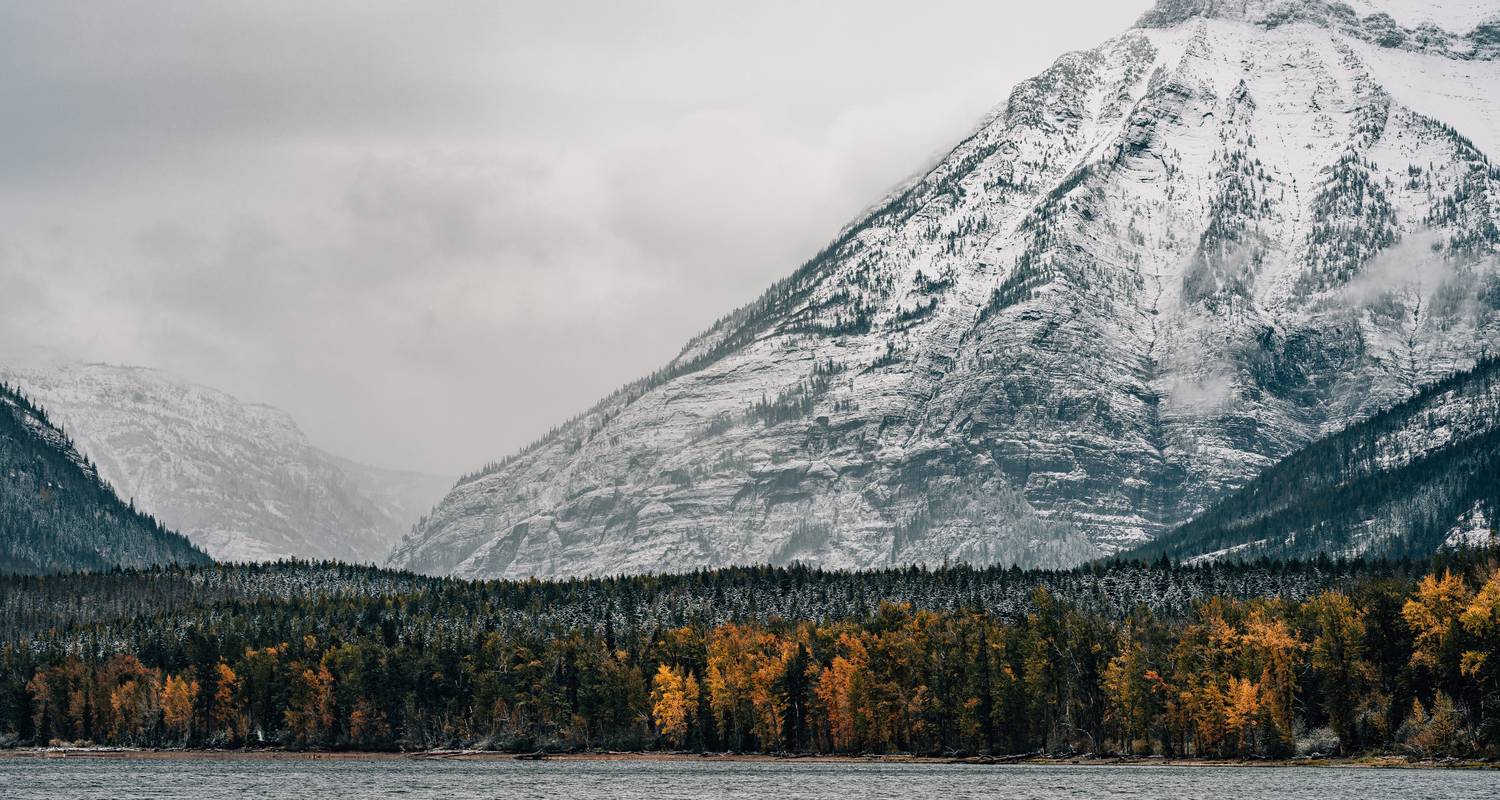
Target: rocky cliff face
240,480
1160,266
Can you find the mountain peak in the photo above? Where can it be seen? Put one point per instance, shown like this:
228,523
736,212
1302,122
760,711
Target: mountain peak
1461,28
1166,264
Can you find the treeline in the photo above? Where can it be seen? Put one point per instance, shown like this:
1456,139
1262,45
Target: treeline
189,597
1386,663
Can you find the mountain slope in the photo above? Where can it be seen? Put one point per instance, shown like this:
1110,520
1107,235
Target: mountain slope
56,515
1406,482
240,480
1159,267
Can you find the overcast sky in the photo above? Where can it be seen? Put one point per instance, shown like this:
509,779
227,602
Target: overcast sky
431,230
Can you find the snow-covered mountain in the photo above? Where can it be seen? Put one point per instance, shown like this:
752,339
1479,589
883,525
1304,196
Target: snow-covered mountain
240,480
56,515
1157,268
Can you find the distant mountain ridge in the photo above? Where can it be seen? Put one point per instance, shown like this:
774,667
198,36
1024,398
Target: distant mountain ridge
1158,268
239,479
1463,28
57,515
1406,482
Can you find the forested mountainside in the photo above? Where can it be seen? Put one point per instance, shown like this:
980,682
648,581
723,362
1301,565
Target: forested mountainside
1158,268
182,599
1418,477
56,515
1326,657
238,479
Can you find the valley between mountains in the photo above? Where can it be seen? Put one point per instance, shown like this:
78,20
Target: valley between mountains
240,480
1160,416
1224,286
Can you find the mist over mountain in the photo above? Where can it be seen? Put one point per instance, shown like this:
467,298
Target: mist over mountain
1155,270
1414,479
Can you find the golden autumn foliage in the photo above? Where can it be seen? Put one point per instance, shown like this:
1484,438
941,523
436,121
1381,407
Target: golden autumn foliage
742,661
1242,709
309,716
367,723
1271,646
134,696
1481,620
1134,689
674,700
178,698
1394,665
226,717
839,690
1433,614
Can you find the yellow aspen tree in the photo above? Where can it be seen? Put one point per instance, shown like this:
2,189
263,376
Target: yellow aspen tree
227,715
1203,660
768,702
309,715
137,704
179,696
1208,707
122,703
132,695
59,701
1481,620
1130,693
692,693
1242,713
1273,647
1432,613
735,654
367,724
1439,734
835,691
674,697
906,700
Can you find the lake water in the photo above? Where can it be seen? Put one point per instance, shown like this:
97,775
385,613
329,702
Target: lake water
119,779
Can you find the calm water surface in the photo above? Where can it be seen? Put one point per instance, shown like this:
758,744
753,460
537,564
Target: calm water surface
64,779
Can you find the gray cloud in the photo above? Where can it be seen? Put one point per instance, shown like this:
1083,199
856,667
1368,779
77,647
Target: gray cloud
1416,265
431,230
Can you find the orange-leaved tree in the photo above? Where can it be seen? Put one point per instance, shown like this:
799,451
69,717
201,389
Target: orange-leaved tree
674,700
